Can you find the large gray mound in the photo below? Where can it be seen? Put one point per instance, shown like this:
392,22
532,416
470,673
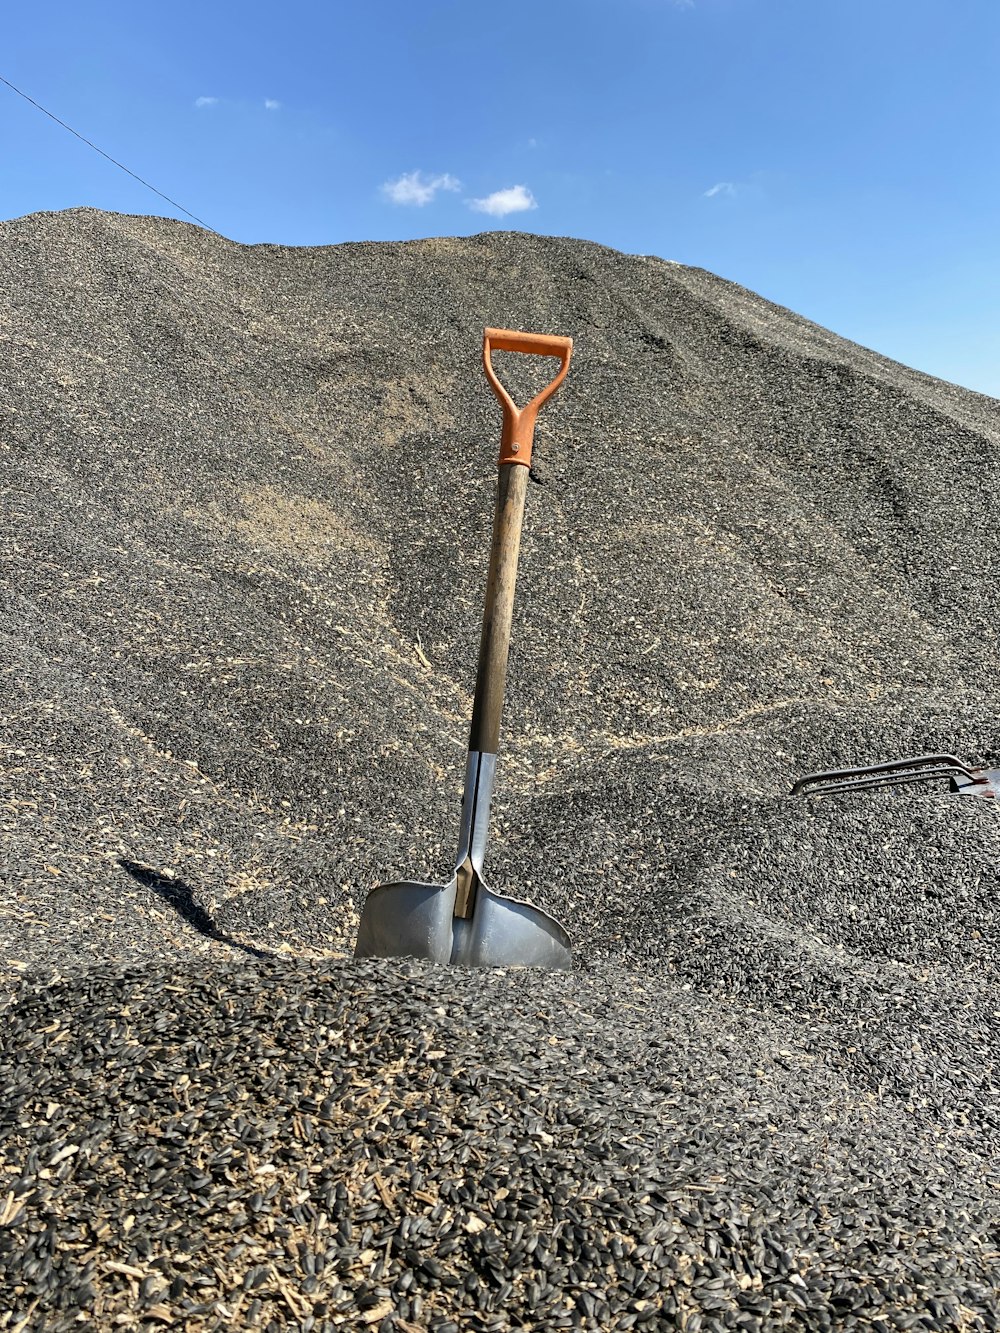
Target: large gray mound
250,491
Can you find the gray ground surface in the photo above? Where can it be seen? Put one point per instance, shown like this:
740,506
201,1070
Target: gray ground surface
248,494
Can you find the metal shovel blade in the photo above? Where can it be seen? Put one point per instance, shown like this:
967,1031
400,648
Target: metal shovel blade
410,920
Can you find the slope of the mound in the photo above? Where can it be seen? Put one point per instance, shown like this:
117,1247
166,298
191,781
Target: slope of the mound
249,493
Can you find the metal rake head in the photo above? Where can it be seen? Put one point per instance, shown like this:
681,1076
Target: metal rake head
961,778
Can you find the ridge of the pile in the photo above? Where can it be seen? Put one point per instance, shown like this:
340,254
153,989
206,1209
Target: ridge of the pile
249,492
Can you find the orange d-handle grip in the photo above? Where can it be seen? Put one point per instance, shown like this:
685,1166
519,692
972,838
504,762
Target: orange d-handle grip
519,422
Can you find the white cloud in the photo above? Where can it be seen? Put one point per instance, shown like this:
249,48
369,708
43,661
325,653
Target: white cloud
516,199
271,105
722,187
414,187
205,101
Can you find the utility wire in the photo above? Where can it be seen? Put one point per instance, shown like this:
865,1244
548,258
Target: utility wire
173,202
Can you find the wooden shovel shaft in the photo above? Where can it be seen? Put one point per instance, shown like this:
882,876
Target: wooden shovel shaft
515,461
494,645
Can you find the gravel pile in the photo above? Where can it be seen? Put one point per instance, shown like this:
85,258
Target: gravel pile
249,493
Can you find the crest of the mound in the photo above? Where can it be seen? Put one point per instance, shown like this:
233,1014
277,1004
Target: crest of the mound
241,601
245,552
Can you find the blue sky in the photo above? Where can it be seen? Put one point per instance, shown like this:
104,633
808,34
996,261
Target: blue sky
838,156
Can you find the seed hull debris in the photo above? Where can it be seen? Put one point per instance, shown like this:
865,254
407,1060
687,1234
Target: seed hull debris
250,492
343,1144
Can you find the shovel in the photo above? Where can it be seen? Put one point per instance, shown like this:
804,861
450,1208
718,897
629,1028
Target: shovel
463,921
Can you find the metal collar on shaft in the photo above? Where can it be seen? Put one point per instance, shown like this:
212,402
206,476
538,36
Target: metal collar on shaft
480,773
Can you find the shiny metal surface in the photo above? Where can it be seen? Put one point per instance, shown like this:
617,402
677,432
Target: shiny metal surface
506,932
408,920
413,920
480,776
962,779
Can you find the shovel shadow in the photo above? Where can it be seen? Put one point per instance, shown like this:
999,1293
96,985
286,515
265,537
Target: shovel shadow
180,897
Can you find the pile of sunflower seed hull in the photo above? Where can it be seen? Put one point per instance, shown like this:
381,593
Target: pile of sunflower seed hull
403,1146
249,492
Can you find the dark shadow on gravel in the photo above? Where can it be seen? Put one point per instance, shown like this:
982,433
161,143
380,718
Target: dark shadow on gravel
180,897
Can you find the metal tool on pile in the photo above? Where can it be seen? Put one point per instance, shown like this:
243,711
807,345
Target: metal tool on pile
464,921
897,772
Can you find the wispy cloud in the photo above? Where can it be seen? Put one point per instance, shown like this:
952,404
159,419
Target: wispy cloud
205,101
721,187
516,199
270,104
413,187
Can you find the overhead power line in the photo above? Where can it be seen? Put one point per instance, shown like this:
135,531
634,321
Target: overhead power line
172,202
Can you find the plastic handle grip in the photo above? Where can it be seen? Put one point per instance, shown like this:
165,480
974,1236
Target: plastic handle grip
519,422
541,344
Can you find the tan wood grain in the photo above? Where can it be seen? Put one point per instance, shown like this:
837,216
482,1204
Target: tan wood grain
494,645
